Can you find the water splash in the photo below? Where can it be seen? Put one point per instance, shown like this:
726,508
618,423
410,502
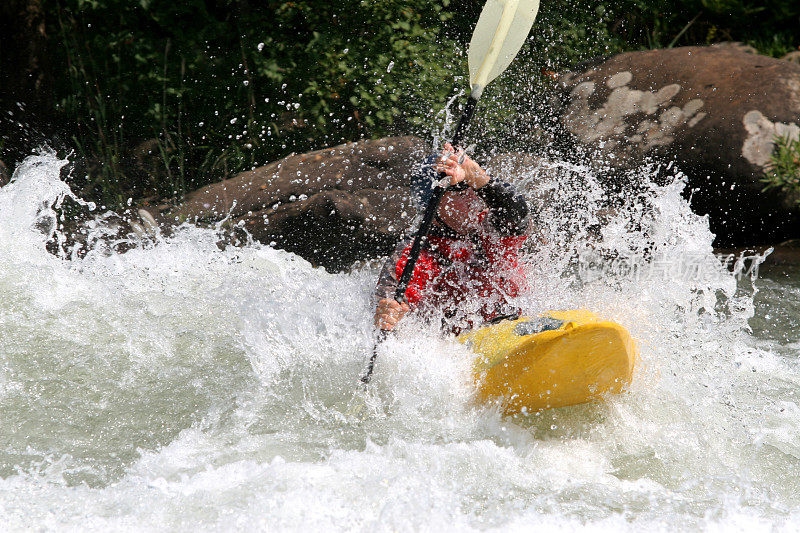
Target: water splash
28,202
181,386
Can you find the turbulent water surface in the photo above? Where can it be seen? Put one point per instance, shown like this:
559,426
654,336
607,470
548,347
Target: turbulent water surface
181,386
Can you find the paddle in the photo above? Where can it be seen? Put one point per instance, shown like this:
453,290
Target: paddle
499,34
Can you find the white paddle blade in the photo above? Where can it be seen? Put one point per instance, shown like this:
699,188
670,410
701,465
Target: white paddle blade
501,31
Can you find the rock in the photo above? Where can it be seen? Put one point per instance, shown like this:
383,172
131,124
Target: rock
335,228
783,259
794,57
333,206
715,110
514,165
4,174
736,45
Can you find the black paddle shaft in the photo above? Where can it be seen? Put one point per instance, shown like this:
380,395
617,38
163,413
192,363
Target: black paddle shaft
422,232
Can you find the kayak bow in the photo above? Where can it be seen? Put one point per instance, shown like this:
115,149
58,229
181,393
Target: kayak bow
557,359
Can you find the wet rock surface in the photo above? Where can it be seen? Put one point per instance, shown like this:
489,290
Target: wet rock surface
333,207
715,110
794,57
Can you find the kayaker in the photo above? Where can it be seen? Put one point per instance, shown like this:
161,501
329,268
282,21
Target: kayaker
469,267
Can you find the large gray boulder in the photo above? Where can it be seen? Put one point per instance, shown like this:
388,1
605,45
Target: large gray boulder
714,110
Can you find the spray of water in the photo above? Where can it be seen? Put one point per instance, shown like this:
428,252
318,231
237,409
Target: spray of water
181,386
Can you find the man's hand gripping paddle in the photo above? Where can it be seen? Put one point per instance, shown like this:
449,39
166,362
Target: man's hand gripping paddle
498,36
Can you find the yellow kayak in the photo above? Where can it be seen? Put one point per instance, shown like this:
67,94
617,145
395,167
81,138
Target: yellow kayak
554,360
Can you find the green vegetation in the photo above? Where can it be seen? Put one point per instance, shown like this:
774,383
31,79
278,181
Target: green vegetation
768,25
219,88
783,172
157,98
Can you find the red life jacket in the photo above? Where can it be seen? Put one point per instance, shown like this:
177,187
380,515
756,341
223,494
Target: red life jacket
471,275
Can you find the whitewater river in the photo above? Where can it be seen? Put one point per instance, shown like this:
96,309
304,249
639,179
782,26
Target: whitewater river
184,387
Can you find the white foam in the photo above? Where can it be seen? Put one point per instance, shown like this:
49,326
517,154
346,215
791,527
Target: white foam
180,386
